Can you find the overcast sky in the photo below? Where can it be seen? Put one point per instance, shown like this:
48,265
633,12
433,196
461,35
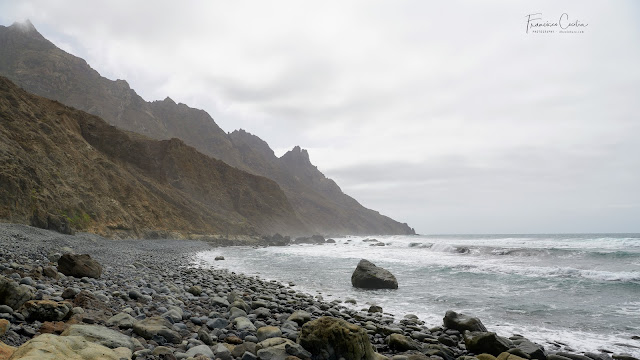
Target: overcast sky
447,115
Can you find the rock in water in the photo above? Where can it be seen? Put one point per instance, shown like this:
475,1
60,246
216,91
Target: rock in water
79,266
369,276
329,338
461,322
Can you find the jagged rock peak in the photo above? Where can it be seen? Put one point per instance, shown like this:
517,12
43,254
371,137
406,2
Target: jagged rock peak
26,26
27,29
296,153
170,100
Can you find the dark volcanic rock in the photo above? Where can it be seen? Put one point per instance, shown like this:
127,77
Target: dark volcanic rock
461,322
79,266
368,276
13,294
45,310
485,342
329,338
402,343
156,326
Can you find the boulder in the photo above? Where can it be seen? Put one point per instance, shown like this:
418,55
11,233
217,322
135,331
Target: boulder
280,349
243,324
5,325
79,266
519,353
267,332
623,357
240,304
462,322
201,349
485,356
533,350
402,343
240,349
300,317
195,290
121,320
12,294
156,325
329,338
53,347
509,356
101,335
222,352
486,342
439,351
219,301
6,351
45,310
369,276
50,271
235,312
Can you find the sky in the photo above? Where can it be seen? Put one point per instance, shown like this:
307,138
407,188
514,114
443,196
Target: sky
452,116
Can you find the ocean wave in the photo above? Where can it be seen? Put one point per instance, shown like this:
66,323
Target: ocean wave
632,277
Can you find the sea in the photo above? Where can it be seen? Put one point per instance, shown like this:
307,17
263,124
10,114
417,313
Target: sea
580,292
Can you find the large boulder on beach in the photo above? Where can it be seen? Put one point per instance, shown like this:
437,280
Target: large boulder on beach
369,276
462,322
329,338
45,310
156,325
300,317
509,356
6,351
79,266
280,349
486,342
267,332
12,294
121,320
400,342
533,350
101,335
52,347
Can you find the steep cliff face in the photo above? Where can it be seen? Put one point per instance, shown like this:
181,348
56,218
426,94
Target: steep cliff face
40,67
63,167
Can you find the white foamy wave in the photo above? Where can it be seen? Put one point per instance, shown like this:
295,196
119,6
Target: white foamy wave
552,339
552,272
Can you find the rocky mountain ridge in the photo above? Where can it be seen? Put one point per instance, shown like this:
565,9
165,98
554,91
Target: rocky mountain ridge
61,168
37,65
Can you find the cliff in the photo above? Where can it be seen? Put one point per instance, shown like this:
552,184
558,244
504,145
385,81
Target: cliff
62,168
37,65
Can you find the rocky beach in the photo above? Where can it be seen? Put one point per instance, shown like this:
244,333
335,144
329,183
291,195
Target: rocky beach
146,299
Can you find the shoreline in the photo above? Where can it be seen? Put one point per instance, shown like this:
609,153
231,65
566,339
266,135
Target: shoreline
553,338
148,278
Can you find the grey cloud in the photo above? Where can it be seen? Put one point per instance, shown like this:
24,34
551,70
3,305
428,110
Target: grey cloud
444,115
